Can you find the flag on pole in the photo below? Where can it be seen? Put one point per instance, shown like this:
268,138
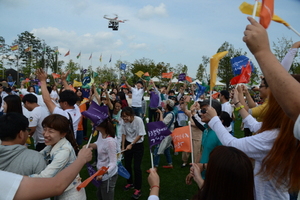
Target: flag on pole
100,58
215,95
181,77
189,79
78,55
77,83
244,77
200,90
95,74
97,114
123,66
91,56
266,13
214,64
238,62
68,53
139,73
146,76
248,10
54,75
157,131
15,47
182,139
110,58
167,75
100,172
28,49
56,51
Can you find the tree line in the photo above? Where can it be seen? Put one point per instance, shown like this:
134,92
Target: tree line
44,56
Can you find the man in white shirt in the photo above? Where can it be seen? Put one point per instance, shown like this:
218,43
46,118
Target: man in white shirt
36,117
137,96
67,100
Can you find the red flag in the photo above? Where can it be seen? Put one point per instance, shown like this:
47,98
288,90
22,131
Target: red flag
189,79
167,75
91,56
182,139
68,53
244,77
54,75
266,13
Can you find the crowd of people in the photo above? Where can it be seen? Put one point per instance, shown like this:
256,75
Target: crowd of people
262,165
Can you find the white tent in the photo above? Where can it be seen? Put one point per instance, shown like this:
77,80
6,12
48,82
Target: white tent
218,83
174,80
155,79
196,81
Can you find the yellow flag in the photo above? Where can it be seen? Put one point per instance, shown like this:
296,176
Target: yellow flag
247,9
214,64
77,83
139,73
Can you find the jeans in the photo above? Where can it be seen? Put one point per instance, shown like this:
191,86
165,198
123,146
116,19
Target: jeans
157,156
138,111
109,185
135,154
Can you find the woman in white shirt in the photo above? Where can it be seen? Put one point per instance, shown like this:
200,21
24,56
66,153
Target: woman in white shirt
106,146
60,153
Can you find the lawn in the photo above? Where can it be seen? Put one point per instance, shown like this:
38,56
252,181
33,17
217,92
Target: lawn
172,181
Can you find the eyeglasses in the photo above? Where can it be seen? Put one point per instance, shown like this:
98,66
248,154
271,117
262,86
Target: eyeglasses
28,130
203,111
261,86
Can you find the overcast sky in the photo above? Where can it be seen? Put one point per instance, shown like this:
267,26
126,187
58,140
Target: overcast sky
170,31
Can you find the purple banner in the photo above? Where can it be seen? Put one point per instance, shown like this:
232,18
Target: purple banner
97,114
157,131
91,172
181,77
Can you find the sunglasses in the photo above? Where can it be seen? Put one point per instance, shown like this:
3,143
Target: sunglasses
203,111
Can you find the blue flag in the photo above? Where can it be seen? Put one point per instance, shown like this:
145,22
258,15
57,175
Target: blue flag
200,90
238,62
123,66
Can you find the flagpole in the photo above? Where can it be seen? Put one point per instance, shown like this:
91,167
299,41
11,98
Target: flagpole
254,9
151,155
210,99
291,28
192,152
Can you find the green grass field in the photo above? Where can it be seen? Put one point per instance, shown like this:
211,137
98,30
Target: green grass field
172,181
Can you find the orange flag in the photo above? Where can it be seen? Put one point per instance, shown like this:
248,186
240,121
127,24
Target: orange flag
215,95
101,171
182,139
146,74
167,75
189,79
266,13
54,75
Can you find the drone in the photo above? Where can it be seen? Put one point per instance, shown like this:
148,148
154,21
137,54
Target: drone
114,22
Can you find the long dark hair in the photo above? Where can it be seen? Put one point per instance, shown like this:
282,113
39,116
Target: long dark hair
108,127
63,125
13,103
229,175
